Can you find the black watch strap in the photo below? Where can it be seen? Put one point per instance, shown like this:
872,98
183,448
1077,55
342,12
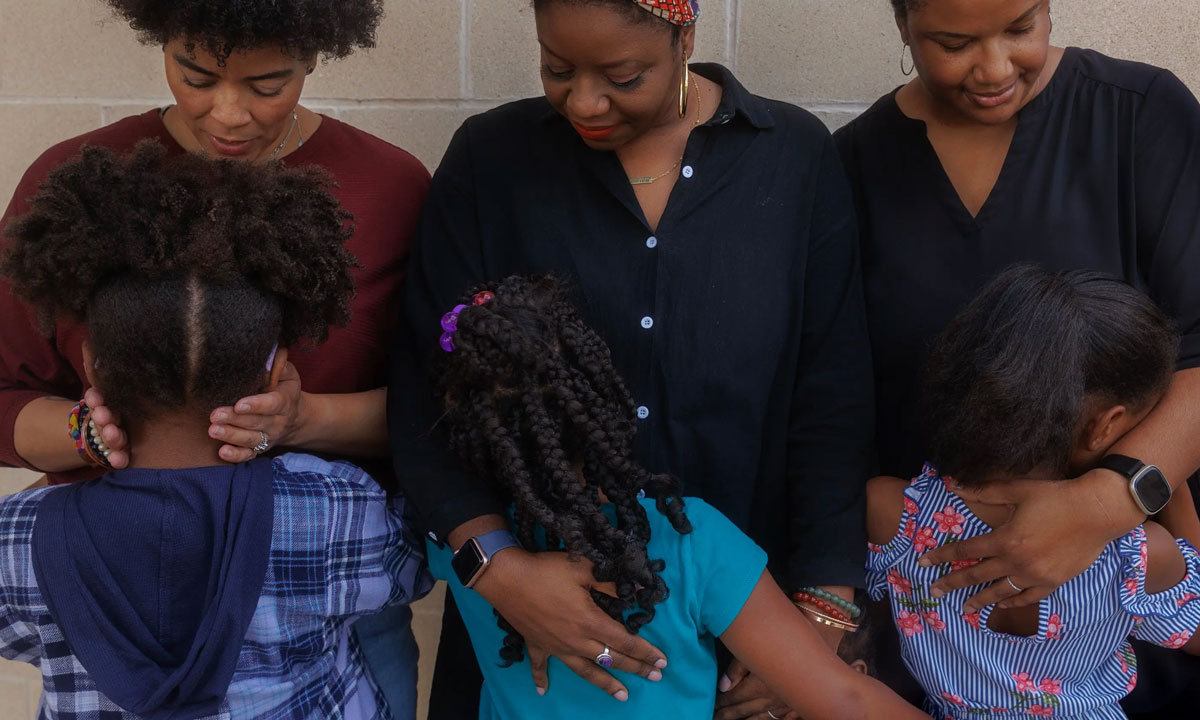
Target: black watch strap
1123,464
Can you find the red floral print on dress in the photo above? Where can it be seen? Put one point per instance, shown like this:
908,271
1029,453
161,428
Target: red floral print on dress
1054,687
1131,586
1054,627
1185,598
1025,682
1129,686
952,698
910,527
972,619
899,584
1178,640
1040,711
949,521
960,564
910,507
924,540
909,623
933,620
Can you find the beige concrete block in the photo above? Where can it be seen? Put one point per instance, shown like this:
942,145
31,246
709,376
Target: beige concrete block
504,52
69,48
417,56
14,696
29,129
818,50
423,131
427,627
834,118
16,479
1159,32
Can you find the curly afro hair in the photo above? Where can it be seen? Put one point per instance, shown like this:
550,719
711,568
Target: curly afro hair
187,271
534,403
302,28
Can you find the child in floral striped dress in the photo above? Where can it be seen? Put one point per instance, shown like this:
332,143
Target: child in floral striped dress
1033,383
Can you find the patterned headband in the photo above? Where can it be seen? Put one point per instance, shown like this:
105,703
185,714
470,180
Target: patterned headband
676,12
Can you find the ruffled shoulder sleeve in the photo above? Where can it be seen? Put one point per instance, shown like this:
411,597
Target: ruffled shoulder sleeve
1168,618
881,558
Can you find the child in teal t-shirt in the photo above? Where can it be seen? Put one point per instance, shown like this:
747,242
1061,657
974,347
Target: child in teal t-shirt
533,403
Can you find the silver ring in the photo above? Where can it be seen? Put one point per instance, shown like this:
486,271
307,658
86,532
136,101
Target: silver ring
1013,585
604,659
773,716
263,444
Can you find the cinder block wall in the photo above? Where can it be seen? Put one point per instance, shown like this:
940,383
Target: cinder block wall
66,66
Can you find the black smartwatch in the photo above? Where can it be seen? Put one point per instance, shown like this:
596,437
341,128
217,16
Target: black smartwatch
1150,490
473,557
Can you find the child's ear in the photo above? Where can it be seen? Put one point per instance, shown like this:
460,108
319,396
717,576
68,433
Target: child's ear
89,364
1105,428
860,666
276,371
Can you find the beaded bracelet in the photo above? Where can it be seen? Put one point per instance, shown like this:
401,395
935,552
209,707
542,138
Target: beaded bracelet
87,438
829,597
838,614
824,619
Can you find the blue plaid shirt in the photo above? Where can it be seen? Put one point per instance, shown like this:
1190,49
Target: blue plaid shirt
340,549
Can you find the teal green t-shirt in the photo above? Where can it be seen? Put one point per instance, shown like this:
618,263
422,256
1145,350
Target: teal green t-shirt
710,573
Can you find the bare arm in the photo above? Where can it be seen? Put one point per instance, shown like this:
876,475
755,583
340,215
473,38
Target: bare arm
41,439
780,646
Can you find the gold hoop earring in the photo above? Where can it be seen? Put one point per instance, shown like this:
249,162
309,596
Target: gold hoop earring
684,88
911,67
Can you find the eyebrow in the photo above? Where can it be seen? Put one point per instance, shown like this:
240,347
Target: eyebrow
277,75
960,36
604,66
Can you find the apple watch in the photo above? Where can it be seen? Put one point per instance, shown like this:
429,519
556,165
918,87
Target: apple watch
1147,485
473,557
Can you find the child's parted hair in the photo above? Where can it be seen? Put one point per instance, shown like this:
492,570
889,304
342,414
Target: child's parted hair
1006,382
534,404
187,271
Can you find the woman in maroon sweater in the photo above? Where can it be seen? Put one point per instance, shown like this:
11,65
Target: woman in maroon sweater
236,72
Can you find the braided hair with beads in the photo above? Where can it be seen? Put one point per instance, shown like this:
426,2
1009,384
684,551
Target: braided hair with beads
534,404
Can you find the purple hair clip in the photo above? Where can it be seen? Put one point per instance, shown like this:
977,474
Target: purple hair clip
450,320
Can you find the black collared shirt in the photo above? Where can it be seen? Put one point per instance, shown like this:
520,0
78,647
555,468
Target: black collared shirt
1103,173
738,324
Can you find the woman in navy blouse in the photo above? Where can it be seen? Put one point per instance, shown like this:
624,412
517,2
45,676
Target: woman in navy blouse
1005,148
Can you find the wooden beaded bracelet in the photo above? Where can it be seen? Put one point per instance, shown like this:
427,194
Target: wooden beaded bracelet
824,619
821,605
851,609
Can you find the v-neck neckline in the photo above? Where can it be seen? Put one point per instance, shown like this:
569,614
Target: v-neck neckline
1016,146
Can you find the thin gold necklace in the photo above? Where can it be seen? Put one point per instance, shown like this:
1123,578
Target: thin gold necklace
647,180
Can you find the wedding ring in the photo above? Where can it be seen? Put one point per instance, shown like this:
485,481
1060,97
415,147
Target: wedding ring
263,444
1013,585
773,716
604,659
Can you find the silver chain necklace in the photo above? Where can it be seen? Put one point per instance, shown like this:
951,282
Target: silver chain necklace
291,129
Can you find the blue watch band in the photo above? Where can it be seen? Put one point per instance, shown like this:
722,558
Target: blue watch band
495,541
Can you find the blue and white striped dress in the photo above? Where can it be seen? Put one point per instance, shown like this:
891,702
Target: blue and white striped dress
1078,665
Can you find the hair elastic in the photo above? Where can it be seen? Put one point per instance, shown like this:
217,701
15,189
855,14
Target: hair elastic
450,320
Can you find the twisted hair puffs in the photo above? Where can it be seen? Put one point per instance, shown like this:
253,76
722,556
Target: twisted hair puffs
187,271
534,403
302,28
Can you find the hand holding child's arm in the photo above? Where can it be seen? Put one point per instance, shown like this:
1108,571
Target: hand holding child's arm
780,646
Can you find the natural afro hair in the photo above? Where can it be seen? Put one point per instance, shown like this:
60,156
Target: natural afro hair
186,270
302,28
534,404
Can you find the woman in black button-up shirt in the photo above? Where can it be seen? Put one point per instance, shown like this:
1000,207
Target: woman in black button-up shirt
713,249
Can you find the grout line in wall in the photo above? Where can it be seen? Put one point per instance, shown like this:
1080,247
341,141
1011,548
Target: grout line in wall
731,33
464,50
834,107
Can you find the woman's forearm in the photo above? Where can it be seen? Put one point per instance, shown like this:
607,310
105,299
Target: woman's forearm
345,423
40,435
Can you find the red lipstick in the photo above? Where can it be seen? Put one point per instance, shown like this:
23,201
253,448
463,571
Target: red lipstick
596,133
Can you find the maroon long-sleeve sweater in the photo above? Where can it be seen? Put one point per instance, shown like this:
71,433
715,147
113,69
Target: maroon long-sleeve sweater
380,184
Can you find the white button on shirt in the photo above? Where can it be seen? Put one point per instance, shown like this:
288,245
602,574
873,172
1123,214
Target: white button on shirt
643,412
651,242
687,171
647,322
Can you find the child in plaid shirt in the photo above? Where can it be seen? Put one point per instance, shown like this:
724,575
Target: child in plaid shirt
184,587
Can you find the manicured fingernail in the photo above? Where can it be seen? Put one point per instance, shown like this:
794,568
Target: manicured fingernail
541,690
243,408
936,593
654,676
724,683
621,695
216,431
1004,605
924,562
219,417
660,663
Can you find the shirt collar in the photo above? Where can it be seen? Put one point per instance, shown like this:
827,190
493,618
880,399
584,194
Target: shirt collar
736,100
